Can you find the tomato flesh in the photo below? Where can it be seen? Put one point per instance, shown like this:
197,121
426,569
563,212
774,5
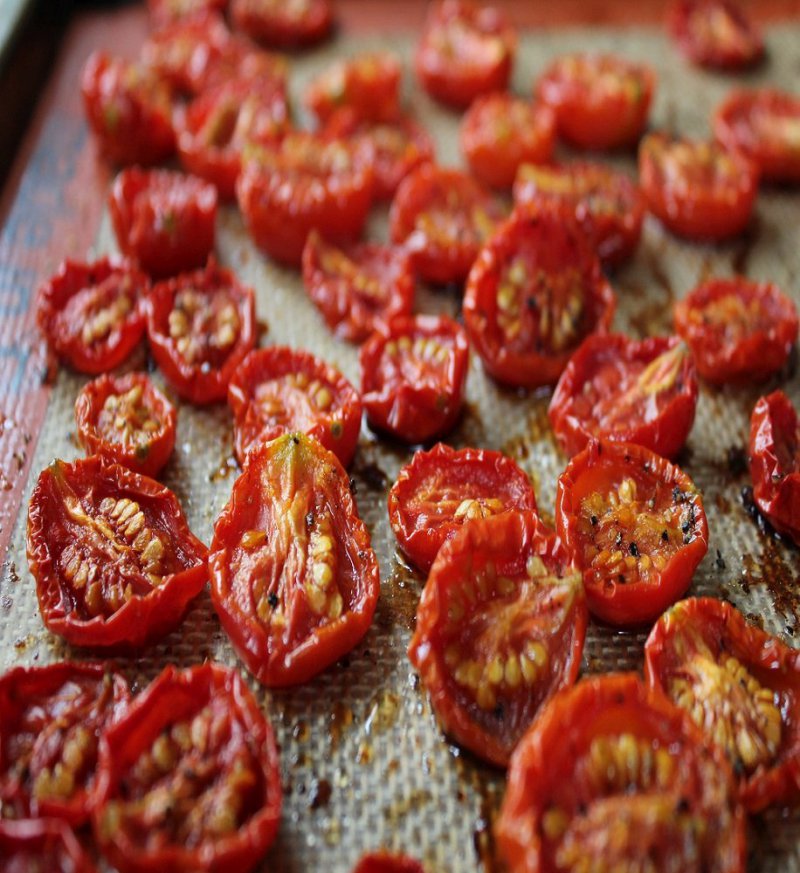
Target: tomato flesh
715,33
41,846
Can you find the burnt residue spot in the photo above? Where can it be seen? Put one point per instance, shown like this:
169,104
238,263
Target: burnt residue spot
750,507
720,561
320,794
736,461
773,570
373,477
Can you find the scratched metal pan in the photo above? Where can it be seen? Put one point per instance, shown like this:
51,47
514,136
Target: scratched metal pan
364,764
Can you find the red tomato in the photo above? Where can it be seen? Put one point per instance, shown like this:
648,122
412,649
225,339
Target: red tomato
608,205
189,779
442,489
385,862
284,25
774,452
165,220
163,12
357,289
715,33
41,844
628,391
442,217
294,579
129,110
115,563
740,686
500,132
600,101
612,776
200,326
500,628
52,720
126,420
305,183
279,390
535,292
91,314
412,376
697,190
738,330
635,525
764,124
465,50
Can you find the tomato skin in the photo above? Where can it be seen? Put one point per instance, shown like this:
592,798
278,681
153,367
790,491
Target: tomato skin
336,427
465,50
174,697
215,296
715,34
547,240
386,862
749,347
165,12
404,391
143,618
697,190
43,840
276,24
91,314
304,642
545,770
588,399
146,456
602,468
500,132
462,475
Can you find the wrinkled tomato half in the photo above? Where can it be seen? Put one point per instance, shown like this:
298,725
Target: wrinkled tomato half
500,132
500,628
612,776
283,24
164,12
41,845
91,314
52,721
465,50
628,391
740,686
386,862
126,420
442,217
738,330
189,778
535,292
635,525
279,390
305,183
294,579
607,204
441,490
715,33
412,376
200,327
697,190
129,110
359,288
115,563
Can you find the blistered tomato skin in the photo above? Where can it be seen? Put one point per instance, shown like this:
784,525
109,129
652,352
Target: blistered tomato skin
386,862
165,12
28,843
715,33
283,25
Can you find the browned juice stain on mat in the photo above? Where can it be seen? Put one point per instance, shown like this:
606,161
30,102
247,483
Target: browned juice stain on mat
227,466
400,593
488,786
743,248
340,722
772,571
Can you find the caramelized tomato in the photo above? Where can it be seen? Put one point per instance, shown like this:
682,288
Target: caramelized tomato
282,24
715,33
163,12
385,862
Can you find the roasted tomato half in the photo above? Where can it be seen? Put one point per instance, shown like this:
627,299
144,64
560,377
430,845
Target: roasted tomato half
189,779
200,326
535,292
164,12
115,563
359,288
738,330
127,420
715,33
500,132
442,217
600,101
91,314
500,628
775,462
129,110
412,376
294,579
697,190
283,25
628,391
608,205
614,777
635,525
278,390
386,862
465,50
52,720
740,686
44,845
442,489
